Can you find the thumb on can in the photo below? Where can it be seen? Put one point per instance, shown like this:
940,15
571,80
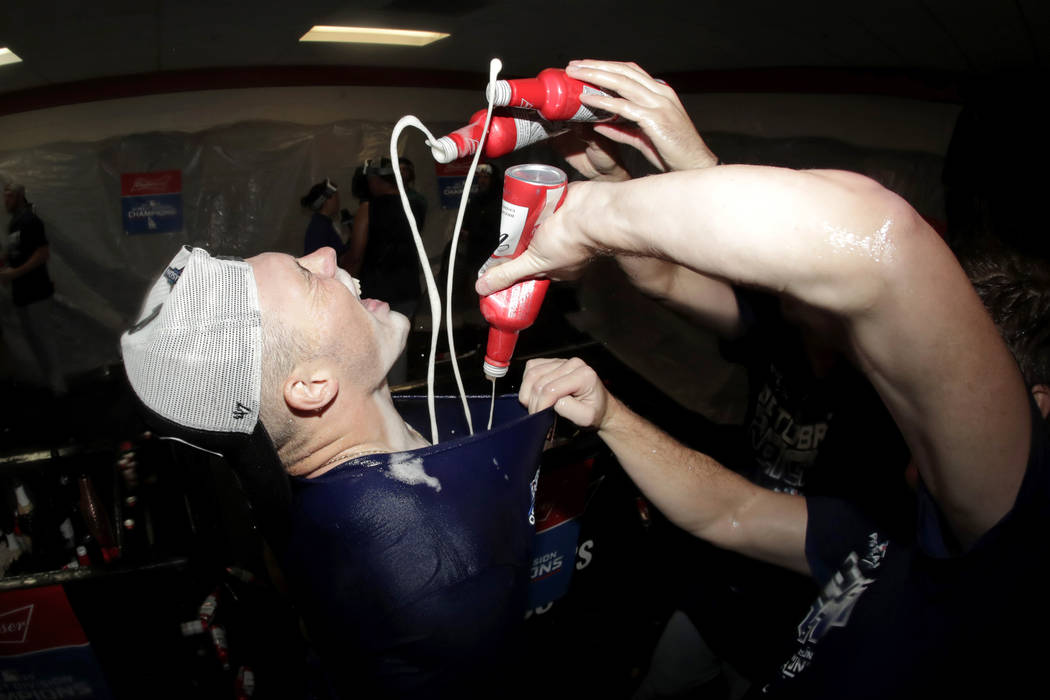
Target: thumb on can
504,275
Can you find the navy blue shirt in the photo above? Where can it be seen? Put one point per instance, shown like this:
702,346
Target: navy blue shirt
910,618
321,232
412,568
25,237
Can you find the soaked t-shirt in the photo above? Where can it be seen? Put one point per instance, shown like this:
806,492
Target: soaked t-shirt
411,569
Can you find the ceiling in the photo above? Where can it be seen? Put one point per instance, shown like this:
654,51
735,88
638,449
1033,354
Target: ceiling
65,41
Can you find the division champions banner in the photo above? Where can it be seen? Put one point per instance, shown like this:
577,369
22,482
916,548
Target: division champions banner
151,202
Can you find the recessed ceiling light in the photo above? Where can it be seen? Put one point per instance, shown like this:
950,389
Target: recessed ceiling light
372,35
8,56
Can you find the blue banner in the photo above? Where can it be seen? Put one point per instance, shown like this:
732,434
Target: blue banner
156,213
71,672
553,561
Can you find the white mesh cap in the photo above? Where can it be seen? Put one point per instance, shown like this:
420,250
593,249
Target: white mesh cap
194,356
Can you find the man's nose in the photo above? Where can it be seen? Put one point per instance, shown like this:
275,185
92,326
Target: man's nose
320,262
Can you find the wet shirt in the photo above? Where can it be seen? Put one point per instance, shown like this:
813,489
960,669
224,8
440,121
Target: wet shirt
25,235
900,618
412,568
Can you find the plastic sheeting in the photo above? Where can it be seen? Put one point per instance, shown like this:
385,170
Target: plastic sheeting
241,186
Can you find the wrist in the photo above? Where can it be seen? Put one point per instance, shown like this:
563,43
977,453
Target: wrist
705,159
612,419
602,218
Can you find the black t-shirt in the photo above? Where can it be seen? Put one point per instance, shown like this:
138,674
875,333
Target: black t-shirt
827,435
25,237
390,268
910,619
321,232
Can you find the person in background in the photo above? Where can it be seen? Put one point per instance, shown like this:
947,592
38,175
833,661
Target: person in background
416,201
32,291
384,251
324,227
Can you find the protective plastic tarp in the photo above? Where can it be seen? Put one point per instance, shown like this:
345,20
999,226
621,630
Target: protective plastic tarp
240,191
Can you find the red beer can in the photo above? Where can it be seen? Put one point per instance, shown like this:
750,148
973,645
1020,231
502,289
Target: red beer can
531,193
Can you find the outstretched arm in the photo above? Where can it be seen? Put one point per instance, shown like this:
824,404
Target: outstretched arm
694,491
842,244
654,122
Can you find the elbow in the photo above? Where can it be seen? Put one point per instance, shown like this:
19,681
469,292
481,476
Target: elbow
870,251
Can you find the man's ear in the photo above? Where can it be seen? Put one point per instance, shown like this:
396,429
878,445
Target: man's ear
1041,394
310,390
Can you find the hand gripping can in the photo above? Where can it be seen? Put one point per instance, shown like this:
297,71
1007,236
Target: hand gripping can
531,193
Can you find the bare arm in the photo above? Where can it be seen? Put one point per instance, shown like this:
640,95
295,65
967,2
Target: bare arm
38,258
654,122
694,491
843,244
706,300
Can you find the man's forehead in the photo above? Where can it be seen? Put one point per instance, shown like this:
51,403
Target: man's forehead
271,270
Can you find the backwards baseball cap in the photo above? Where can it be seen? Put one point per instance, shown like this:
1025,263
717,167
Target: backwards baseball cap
319,194
194,357
385,168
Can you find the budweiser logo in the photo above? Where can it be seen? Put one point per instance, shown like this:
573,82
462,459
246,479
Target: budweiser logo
14,624
150,184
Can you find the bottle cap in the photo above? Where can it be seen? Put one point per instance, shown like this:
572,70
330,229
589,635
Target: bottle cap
444,150
494,371
191,628
499,92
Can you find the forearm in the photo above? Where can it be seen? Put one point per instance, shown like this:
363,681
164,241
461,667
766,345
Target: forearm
817,235
703,497
39,257
708,301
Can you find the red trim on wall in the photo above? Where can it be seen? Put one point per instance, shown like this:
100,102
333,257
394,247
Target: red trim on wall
940,87
922,85
228,79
